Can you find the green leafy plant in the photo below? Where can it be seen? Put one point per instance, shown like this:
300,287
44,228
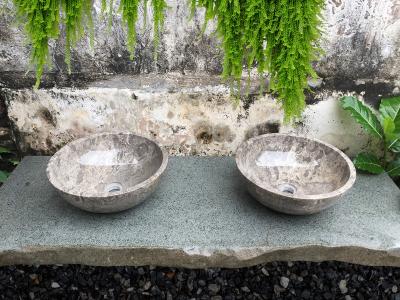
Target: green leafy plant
129,10
384,126
42,22
279,36
7,159
158,20
76,13
41,19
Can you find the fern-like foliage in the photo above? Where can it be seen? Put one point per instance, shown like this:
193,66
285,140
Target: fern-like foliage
277,36
280,36
158,21
42,23
230,28
76,14
41,19
291,47
129,10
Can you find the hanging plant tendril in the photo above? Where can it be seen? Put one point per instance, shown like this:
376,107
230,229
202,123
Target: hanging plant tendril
278,37
41,19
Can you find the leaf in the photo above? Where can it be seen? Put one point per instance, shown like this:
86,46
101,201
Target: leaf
363,115
388,125
14,161
394,144
4,150
394,168
392,138
390,108
368,162
3,176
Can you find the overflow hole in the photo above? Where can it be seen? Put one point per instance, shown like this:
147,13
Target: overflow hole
287,188
114,187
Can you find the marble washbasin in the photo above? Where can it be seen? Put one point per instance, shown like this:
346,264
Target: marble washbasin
107,172
294,175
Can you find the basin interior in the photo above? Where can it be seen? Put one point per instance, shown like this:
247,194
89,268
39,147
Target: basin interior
103,165
293,165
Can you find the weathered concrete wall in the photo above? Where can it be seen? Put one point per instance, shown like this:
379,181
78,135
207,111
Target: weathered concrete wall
362,43
181,102
362,39
6,138
183,49
187,115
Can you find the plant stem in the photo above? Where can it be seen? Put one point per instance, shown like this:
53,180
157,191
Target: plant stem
385,153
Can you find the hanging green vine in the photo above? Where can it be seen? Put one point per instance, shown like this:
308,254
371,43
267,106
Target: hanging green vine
42,22
280,36
158,20
129,10
292,46
277,36
41,18
77,12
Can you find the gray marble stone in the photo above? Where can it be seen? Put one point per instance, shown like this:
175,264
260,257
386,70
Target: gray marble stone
293,174
107,172
200,216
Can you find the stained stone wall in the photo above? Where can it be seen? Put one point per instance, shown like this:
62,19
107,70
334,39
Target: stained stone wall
187,115
362,56
6,138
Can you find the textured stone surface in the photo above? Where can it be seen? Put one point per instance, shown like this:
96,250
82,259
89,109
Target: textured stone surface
201,216
106,173
186,114
183,48
191,112
361,41
6,136
293,174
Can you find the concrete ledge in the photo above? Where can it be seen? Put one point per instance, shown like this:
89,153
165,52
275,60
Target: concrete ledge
188,115
201,216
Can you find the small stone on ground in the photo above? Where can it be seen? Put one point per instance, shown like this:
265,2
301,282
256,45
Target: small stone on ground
298,280
343,286
284,282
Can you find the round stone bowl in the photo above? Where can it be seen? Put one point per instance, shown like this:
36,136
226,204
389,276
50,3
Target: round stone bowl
293,174
107,172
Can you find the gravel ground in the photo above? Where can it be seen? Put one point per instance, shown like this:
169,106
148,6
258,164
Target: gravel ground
300,280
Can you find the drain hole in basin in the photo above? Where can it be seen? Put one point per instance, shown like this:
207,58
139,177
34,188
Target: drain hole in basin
287,188
113,188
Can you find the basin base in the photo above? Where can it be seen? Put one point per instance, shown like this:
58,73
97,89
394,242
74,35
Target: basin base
200,216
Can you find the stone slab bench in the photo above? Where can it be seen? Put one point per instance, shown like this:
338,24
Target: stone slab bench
201,216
